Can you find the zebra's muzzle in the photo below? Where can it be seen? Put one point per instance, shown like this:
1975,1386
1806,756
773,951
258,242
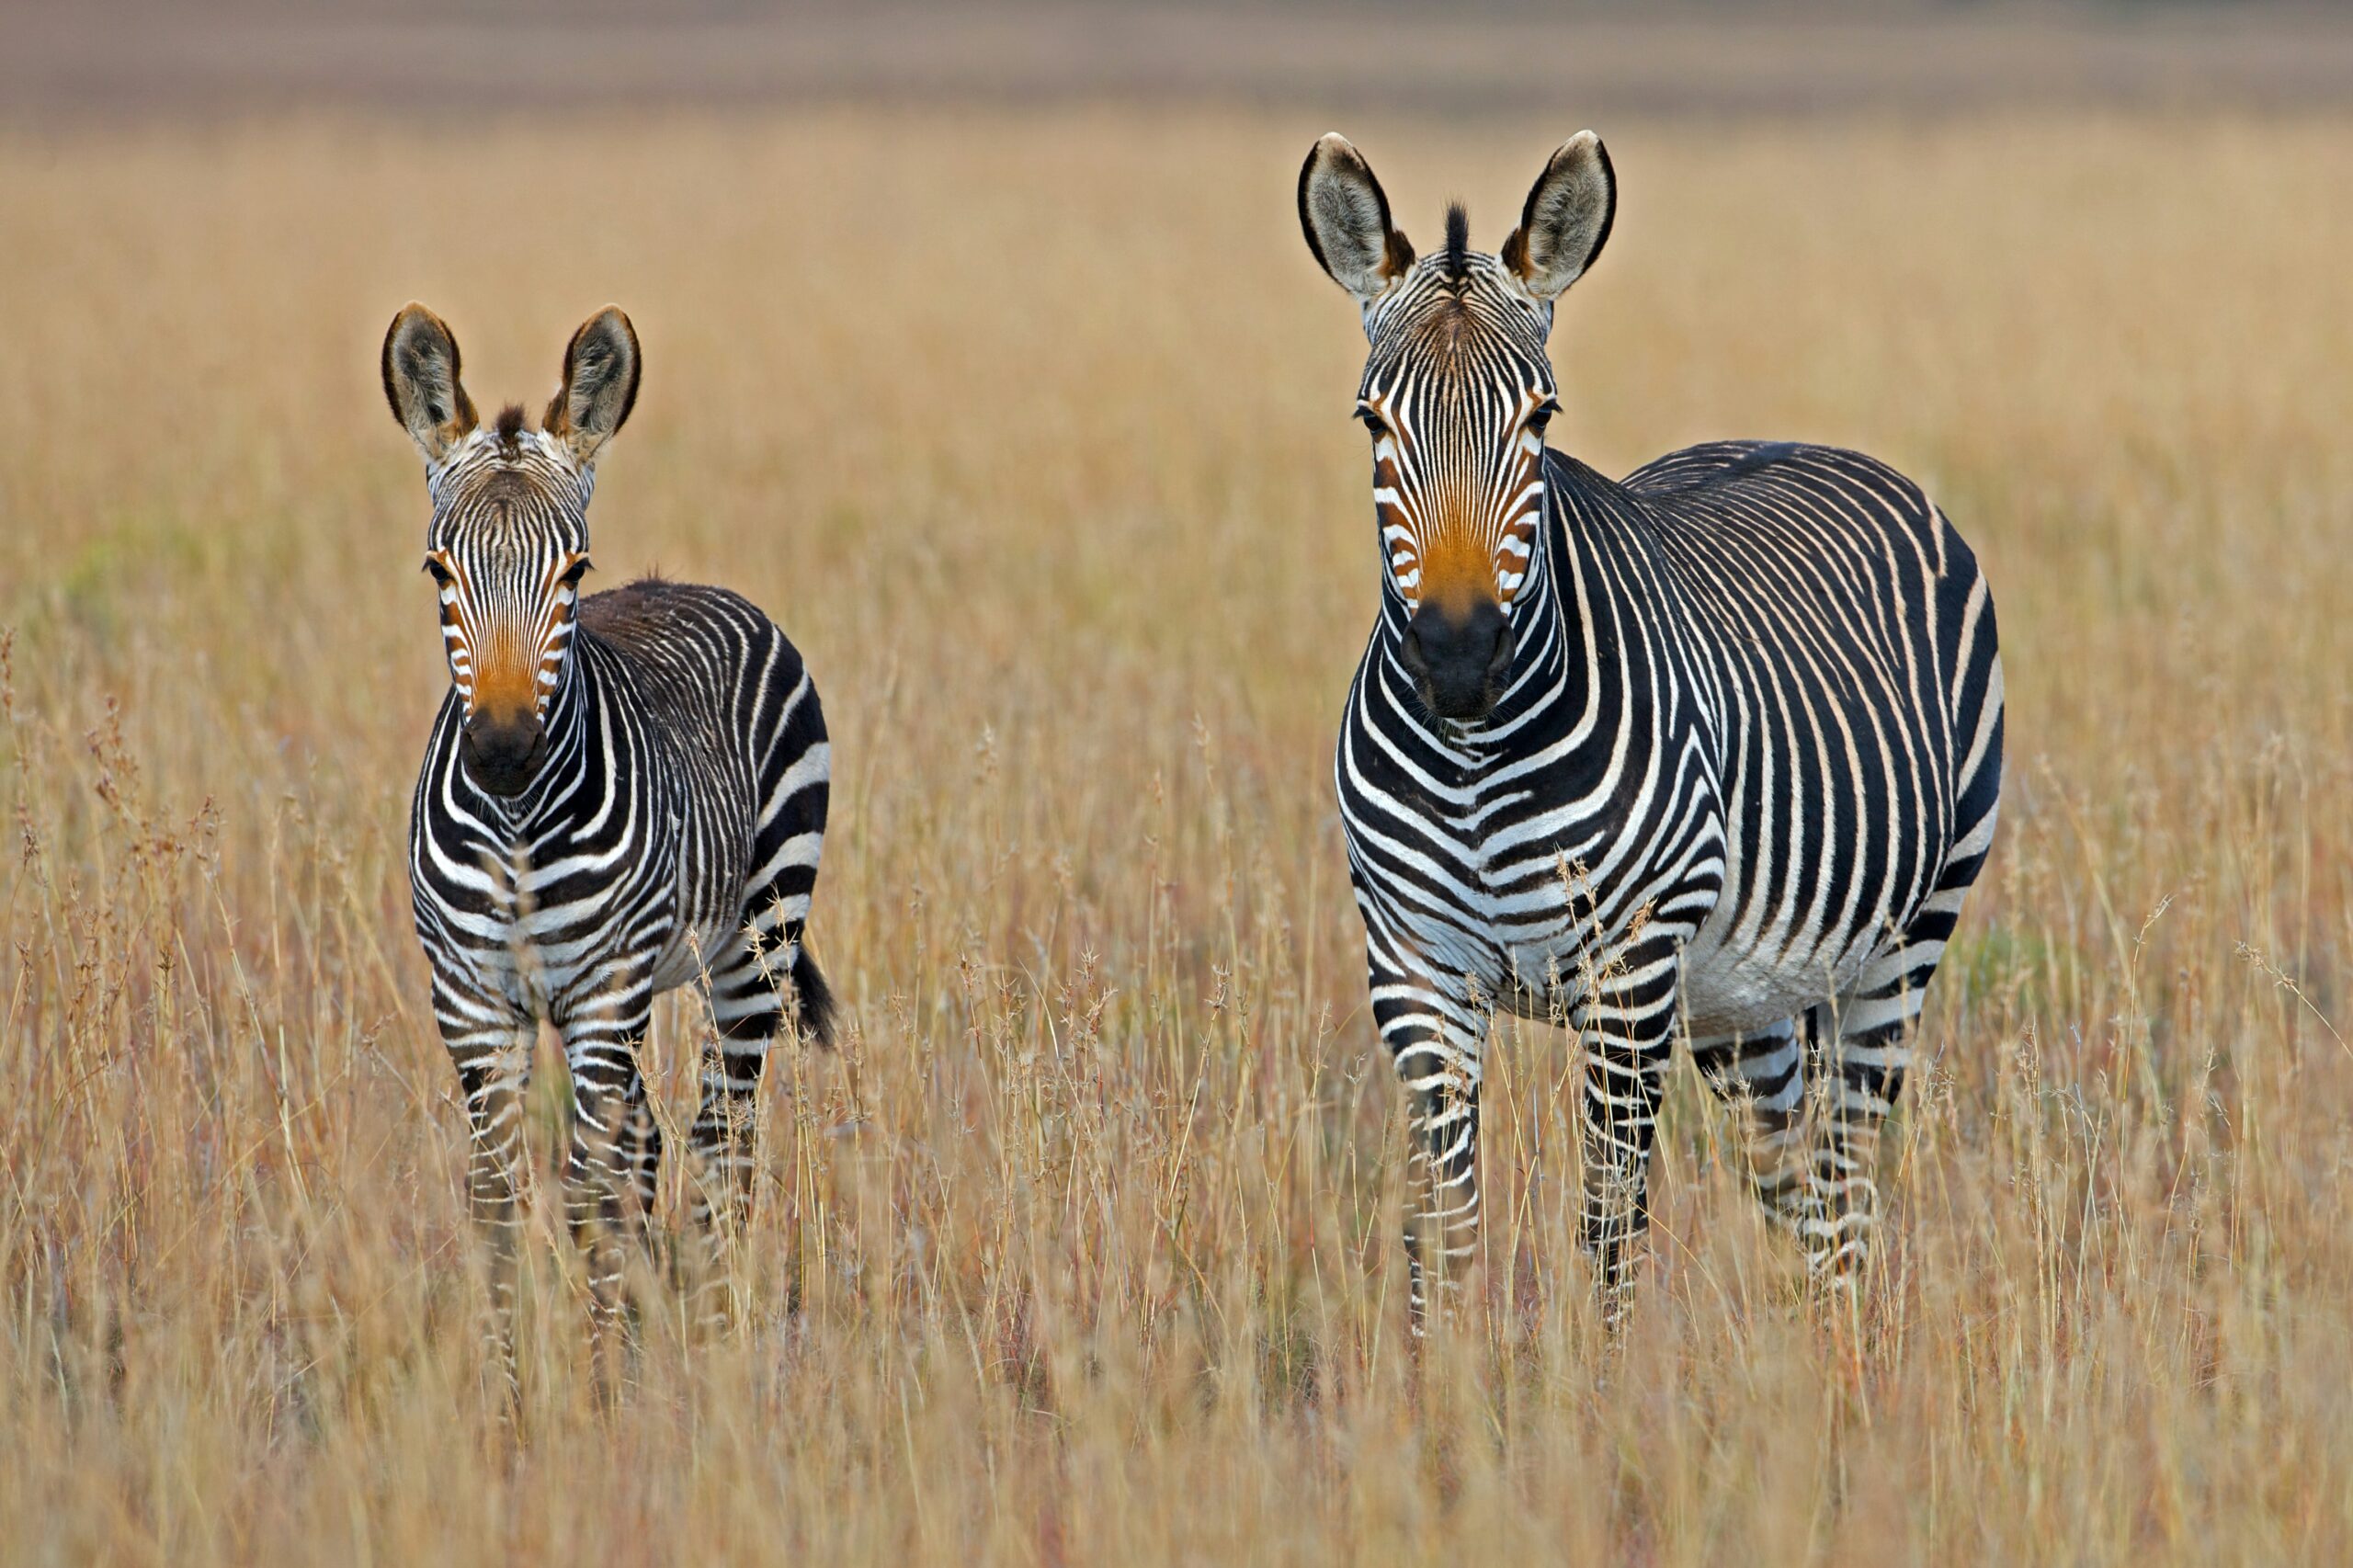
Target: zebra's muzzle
1459,660
502,757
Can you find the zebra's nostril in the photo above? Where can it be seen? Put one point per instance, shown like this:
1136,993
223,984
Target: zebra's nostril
1411,651
1500,660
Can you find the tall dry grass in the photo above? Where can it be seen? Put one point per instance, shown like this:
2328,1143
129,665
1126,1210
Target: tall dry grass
1033,431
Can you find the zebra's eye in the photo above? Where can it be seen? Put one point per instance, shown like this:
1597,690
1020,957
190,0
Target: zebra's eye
438,573
1371,420
1544,415
578,570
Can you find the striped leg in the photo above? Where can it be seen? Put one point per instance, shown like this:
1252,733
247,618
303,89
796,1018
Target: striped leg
600,1044
1867,1046
1434,1038
1763,1076
748,1010
749,996
1625,1028
491,1045
640,1155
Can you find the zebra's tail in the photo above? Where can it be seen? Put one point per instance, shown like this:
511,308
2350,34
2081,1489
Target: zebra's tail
818,1010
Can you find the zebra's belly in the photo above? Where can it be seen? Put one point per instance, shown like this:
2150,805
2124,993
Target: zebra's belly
1727,990
1748,968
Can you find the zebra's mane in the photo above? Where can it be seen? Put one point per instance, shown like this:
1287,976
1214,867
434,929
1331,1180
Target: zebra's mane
1458,243
509,429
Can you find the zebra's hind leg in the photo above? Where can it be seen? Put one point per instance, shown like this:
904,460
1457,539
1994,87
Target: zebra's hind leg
749,998
1763,1076
1625,1027
491,1045
1865,1046
601,1039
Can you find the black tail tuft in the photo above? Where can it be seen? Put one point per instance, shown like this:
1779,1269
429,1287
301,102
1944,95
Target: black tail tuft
817,1009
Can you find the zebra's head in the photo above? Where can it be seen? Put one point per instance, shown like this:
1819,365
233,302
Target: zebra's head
1457,390
508,543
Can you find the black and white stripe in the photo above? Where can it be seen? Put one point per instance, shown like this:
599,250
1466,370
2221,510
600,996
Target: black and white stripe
662,828
1723,768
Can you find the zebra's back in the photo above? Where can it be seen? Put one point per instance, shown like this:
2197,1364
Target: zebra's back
718,676
1849,641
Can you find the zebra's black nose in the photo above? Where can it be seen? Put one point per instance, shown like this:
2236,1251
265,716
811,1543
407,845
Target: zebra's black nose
503,755
1458,658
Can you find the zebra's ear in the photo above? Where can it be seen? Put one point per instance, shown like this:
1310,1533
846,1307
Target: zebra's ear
1346,217
1566,220
600,371
420,366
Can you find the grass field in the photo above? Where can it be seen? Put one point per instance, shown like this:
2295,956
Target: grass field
1033,430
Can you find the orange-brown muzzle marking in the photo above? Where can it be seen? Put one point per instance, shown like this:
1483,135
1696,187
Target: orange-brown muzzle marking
508,619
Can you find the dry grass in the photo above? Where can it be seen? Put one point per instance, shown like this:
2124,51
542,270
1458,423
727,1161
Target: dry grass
1034,432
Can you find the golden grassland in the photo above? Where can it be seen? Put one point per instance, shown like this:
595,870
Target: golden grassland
1033,430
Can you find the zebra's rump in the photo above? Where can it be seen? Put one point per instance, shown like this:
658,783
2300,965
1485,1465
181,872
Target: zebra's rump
1847,638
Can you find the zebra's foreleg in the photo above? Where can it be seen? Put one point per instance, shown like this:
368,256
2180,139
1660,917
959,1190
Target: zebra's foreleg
491,1045
1763,1077
1626,1027
600,1045
1442,1223
1434,1038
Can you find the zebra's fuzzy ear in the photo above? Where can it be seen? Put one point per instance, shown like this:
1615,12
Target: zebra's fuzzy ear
1566,220
600,371
420,366
1346,217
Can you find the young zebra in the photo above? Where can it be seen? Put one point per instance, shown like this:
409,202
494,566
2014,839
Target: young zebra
1714,751
623,793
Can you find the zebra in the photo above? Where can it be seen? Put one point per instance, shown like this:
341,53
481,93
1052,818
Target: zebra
1713,752
623,793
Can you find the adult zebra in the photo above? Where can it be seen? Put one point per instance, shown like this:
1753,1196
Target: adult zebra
623,793
1712,751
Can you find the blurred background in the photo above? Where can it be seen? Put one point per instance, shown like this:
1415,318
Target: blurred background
1902,57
